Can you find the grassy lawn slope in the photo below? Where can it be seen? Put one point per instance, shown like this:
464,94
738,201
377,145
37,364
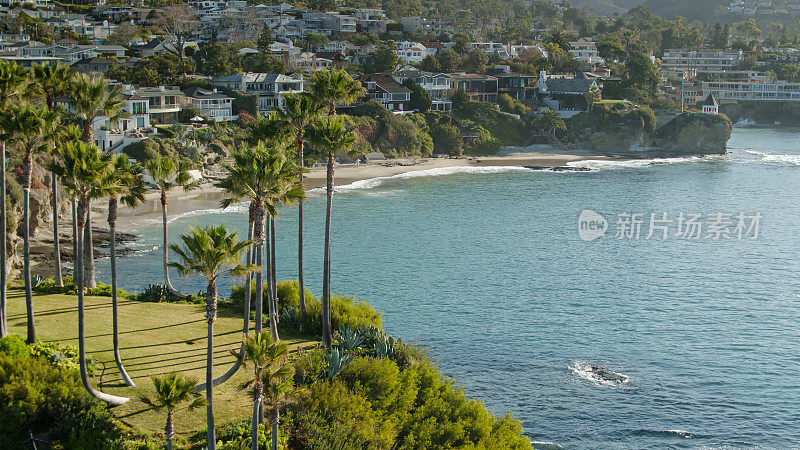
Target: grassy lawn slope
155,339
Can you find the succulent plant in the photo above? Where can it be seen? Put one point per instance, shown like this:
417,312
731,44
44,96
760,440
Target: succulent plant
349,339
384,348
336,359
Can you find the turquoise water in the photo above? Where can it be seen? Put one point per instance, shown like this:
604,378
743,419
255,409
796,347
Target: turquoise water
488,270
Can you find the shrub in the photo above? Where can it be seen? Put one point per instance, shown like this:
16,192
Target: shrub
48,286
158,293
376,404
14,346
236,436
287,294
37,397
61,355
345,312
331,416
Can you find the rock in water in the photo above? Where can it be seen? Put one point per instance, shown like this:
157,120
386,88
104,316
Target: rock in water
694,134
603,373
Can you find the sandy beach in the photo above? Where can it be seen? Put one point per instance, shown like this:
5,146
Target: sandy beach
208,196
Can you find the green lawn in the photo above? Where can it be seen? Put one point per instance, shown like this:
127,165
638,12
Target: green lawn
155,339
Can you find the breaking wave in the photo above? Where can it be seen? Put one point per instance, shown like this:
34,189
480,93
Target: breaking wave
370,183
601,164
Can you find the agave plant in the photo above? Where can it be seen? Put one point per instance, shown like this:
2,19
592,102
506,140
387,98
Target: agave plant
288,316
370,334
336,359
384,348
349,339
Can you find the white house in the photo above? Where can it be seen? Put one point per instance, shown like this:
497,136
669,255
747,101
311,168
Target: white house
211,103
585,51
270,87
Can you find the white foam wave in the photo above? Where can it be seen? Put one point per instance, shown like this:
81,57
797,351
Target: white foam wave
584,370
237,208
775,158
370,183
600,164
681,433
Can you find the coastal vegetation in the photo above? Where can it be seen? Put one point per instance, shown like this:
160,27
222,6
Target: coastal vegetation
67,395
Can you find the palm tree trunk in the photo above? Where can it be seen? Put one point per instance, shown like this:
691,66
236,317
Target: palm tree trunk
246,314
110,399
3,261
300,283
211,316
74,240
88,132
275,421
112,228
56,241
271,314
274,267
169,430
258,233
326,270
167,283
257,395
26,246
88,248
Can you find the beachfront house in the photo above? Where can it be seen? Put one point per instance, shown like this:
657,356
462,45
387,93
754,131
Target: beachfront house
210,103
392,95
567,95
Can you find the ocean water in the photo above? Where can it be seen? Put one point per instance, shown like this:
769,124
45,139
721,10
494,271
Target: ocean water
486,268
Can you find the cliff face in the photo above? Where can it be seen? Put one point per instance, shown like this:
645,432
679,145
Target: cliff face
634,132
611,132
694,134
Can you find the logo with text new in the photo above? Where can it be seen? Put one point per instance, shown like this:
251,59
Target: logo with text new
591,225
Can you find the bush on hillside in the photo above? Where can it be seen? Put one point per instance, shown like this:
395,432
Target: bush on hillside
40,398
14,346
375,403
345,312
287,294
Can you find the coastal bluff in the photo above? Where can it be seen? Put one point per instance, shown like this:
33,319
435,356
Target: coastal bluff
636,132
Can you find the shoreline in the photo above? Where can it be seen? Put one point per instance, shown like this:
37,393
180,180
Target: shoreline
208,196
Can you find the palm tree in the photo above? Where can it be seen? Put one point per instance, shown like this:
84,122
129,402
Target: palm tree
550,121
82,168
13,86
172,390
211,252
31,129
271,383
298,113
166,173
329,136
51,82
334,87
124,182
91,98
267,177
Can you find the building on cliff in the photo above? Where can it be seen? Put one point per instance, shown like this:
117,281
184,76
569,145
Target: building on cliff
710,106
